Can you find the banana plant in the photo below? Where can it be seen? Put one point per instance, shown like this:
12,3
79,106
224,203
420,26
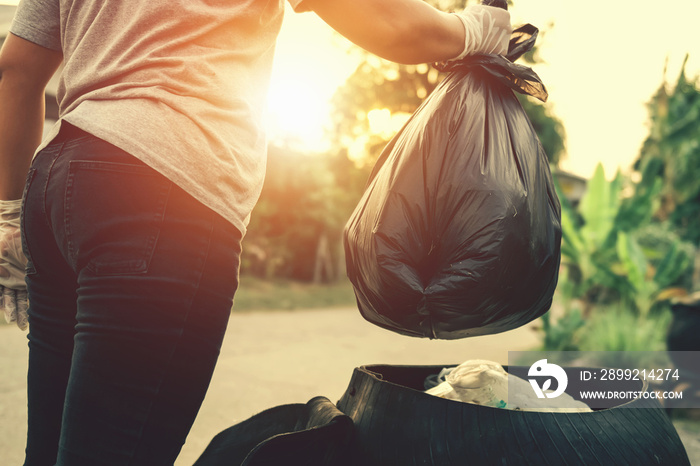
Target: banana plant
602,258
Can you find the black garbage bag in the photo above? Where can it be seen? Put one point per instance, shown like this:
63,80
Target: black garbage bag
458,232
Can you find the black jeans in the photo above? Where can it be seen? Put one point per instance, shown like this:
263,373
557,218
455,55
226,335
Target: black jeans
131,283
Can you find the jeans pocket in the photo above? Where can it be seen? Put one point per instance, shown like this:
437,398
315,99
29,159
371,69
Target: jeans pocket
30,270
113,215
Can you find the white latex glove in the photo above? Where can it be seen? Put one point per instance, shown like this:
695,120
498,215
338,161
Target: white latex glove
487,28
13,290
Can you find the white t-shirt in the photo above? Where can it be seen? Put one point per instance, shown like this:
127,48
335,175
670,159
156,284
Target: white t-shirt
179,84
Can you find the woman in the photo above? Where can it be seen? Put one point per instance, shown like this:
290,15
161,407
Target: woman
135,205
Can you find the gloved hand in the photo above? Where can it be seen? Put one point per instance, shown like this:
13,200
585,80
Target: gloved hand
13,290
488,30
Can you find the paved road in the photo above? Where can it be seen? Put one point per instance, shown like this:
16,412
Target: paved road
269,359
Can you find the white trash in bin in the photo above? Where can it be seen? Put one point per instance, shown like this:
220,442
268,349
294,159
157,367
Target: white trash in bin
486,383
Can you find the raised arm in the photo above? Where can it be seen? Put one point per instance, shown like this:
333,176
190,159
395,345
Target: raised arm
25,69
412,31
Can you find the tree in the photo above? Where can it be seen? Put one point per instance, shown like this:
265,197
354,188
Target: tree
303,207
612,251
671,153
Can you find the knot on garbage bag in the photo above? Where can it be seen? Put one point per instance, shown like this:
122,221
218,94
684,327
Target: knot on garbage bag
520,78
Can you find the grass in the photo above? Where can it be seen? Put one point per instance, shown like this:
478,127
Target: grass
616,328
255,294
691,425
608,328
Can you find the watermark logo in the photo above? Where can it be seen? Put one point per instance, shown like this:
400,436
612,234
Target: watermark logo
555,380
542,368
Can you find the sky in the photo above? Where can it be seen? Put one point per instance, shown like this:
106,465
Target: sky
602,63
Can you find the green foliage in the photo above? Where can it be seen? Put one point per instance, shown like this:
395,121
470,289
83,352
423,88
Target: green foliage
672,153
638,210
560,334
602,254
674,268
615,328
633,261
599,207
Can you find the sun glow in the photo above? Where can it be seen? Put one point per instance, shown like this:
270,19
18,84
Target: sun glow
384,123
296,112
310,64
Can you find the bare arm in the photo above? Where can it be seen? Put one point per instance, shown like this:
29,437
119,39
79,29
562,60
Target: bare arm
25,69
404,31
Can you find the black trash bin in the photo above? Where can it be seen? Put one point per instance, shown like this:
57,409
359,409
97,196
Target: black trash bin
397,424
